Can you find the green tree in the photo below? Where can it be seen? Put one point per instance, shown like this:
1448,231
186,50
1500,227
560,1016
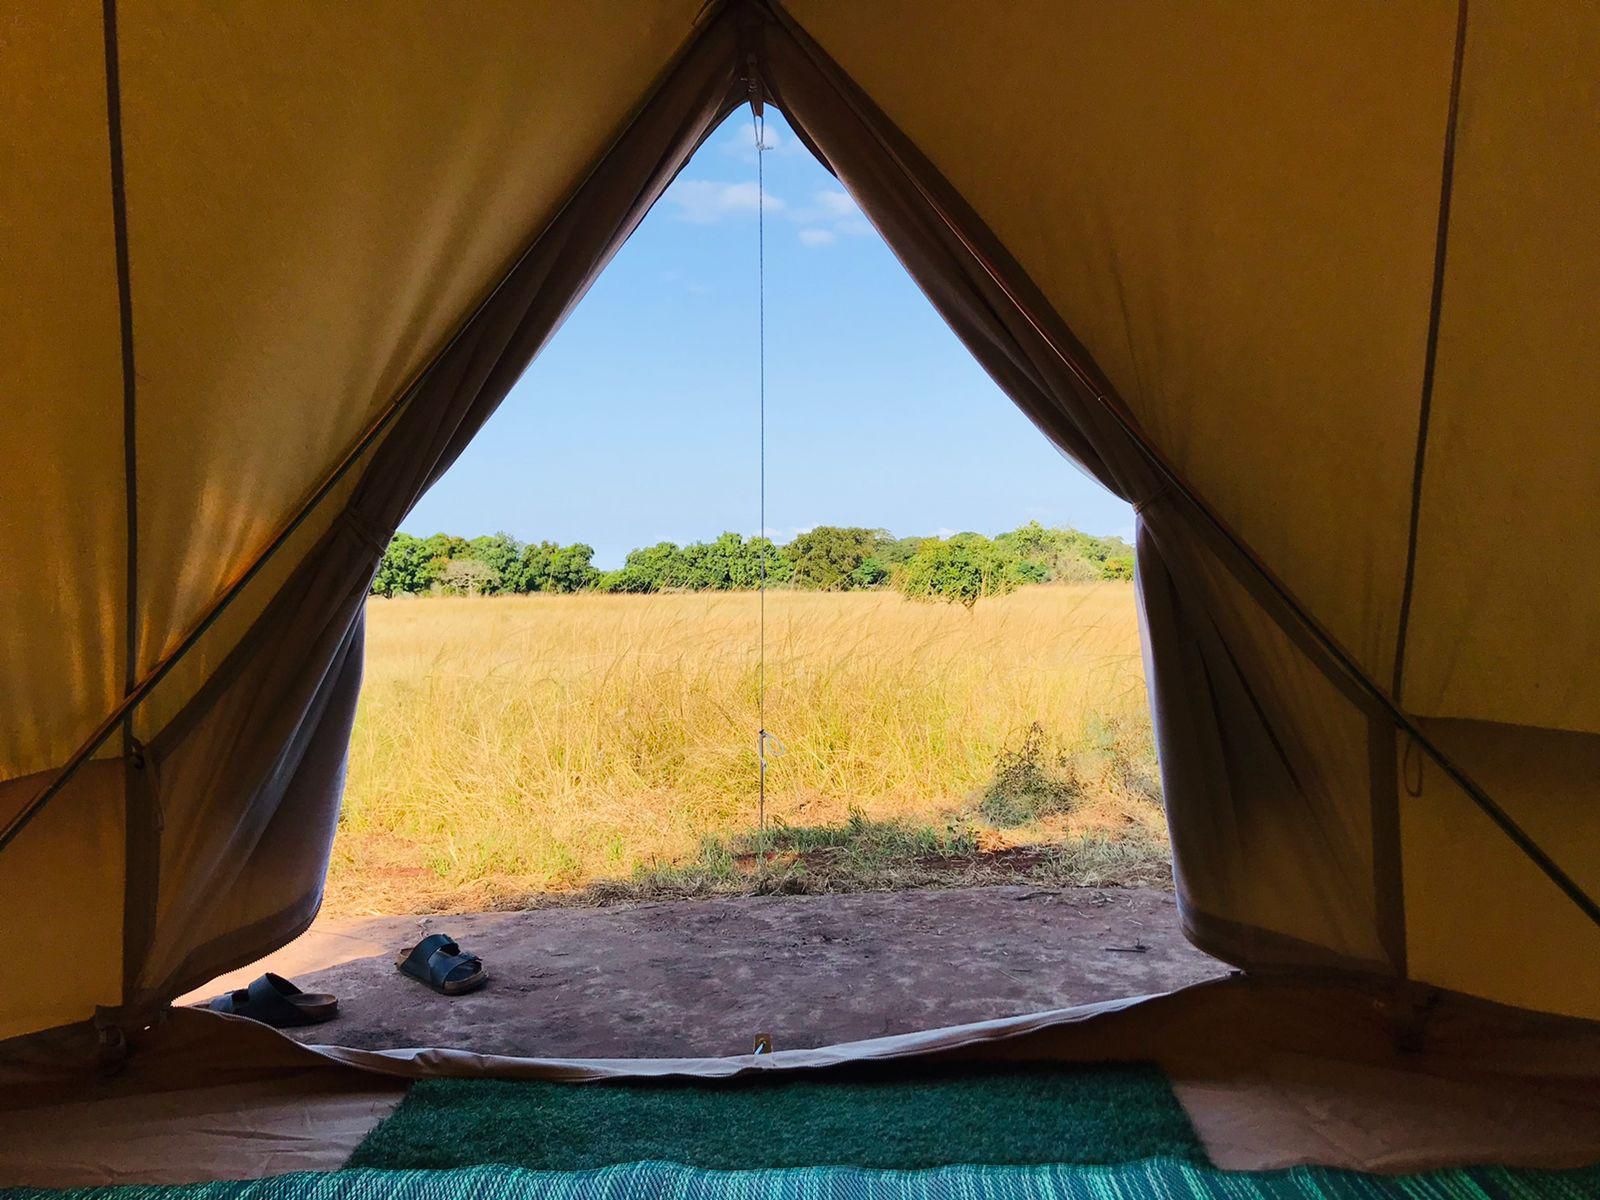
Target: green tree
962,569
707,566
732,562
892,551
1067,555
445,545
503,553
402,570
571,569
826,557
1117,567
533,569
647,569
872,572
759,552
439,550
1025,570
547,567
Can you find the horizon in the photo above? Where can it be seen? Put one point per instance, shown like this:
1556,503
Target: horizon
777,537
638,422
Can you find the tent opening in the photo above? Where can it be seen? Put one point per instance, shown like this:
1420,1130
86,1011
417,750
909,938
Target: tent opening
570,649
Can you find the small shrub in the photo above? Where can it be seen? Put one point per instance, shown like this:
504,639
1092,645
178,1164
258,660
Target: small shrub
1119,567
1030,782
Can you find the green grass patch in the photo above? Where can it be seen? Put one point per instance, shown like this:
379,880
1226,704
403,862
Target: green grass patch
857,854
872,842
865,855
906,1118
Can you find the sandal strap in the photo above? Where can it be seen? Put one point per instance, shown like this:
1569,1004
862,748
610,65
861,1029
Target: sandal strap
445,963
269,1001
266,999
438,960
230,1002
416,963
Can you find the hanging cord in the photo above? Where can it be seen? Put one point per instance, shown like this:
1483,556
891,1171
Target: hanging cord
758,123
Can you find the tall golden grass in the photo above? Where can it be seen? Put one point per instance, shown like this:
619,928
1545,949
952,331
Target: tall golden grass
526,744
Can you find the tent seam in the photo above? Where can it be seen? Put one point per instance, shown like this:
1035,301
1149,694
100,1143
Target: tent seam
1431,352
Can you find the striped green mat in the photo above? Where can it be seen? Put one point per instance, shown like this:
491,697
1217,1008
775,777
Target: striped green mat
1150,1179
889,1117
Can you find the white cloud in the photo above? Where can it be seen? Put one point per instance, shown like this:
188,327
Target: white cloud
705,202
783,536
829,212
826,217
836,203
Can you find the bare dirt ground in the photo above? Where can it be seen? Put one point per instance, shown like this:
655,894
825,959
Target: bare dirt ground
706,977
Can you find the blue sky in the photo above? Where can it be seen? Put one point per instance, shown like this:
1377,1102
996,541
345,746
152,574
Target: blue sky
638,422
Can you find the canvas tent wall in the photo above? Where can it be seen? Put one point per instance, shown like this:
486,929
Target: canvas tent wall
1314,287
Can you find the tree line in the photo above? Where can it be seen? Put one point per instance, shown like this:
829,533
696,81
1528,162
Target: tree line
962,568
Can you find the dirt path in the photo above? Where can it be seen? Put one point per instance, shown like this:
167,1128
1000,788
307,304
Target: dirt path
704,977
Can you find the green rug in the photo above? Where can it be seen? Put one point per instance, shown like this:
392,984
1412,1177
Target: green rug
889,1133
902,1119
1154,1179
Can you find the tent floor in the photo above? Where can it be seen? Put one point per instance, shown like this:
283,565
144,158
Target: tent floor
693,978
1270,1070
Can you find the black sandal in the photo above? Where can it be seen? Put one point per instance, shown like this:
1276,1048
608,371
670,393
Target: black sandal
274,1001
438,962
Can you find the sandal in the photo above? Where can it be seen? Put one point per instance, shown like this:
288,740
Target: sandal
274,1001
438,962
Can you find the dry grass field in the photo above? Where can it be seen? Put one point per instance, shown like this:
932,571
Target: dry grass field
525,749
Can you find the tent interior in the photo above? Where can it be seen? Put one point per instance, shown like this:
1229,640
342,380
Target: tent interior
1312,288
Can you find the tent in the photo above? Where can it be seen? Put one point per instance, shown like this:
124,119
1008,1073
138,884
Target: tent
1313,286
